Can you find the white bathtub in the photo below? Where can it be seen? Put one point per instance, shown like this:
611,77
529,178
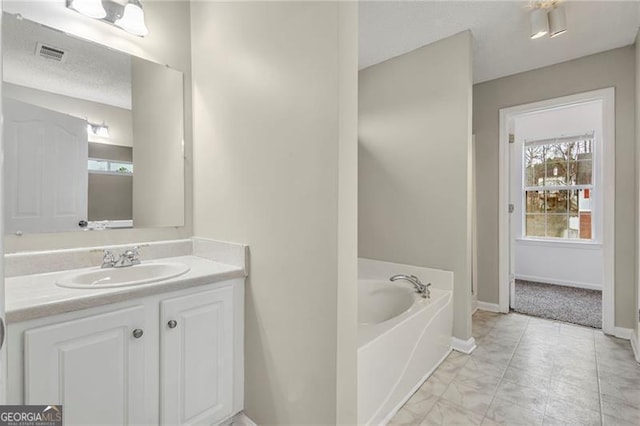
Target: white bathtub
402,337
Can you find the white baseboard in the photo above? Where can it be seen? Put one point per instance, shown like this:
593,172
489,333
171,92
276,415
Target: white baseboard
565,283
623,333
474,306
635,347
491,307
464,346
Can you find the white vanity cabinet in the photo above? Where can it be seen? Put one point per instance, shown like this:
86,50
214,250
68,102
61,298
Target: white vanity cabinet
174,358
196,381
94,366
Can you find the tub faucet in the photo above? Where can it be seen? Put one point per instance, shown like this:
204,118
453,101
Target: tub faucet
421,289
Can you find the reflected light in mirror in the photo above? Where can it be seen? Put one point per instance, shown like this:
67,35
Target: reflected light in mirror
100,130
132,19
90,8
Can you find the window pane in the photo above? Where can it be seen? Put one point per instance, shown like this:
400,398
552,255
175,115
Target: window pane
574,226
98,165
584,172
121,167
535,175
557,225
557,201
573,201
535,202
535,225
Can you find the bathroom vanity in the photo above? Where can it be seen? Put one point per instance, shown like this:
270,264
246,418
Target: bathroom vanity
166,352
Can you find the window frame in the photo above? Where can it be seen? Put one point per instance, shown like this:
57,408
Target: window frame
592,187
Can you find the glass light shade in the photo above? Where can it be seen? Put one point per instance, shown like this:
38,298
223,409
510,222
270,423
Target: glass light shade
557,21
132,19
539,23
90,8
100,130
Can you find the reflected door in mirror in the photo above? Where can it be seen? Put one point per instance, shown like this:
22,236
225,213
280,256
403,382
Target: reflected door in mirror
46,169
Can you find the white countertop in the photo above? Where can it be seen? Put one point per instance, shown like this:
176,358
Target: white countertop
29,297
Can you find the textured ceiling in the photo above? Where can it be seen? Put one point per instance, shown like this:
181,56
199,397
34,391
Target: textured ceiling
500,28
91,71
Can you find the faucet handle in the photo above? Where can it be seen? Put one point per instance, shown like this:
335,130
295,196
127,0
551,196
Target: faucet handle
108,259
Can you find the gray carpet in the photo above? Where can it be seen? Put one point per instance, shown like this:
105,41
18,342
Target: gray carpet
569,304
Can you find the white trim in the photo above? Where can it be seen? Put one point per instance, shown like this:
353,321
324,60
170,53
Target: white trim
474,306
607,97
623,333
563,283
581,245
635,347
464,346
489,307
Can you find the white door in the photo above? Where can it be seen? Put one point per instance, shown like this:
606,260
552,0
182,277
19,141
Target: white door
46,176
94,367
196,375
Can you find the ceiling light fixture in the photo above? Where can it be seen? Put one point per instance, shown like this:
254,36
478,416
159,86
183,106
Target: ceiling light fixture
90,8
127,15
539,22
557,21
132,19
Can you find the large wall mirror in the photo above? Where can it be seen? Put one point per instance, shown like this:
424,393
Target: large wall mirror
93,137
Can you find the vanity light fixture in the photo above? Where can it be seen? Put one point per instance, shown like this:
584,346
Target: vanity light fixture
90,8
99,130
132,19
127,15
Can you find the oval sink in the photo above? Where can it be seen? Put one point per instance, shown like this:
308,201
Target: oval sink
122,277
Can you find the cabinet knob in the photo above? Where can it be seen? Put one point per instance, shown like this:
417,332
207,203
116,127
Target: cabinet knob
172,324
137,333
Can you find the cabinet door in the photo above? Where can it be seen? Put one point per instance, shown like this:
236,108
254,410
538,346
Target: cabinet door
197,358
93,366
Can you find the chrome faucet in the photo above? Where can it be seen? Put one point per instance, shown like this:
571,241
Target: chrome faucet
128,257
421,289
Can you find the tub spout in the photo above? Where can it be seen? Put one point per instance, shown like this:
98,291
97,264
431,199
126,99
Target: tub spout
422,289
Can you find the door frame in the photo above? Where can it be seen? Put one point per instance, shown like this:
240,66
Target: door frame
505,237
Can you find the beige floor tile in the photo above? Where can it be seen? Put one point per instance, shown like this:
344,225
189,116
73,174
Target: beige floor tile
570,412
574,394
524,377
437,383
505,412
420,403
532,398
621,410
576,377
447,414
472,399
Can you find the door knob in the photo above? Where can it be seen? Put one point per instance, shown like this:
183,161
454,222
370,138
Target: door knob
172,324
137,333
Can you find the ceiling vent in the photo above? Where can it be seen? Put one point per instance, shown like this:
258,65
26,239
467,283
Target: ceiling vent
51,53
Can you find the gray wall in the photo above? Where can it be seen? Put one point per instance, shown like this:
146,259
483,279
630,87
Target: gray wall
168,42
275,166
614,68
414,153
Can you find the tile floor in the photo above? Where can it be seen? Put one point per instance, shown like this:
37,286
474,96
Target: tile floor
530,371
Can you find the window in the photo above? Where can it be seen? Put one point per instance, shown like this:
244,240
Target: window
97,165
558,188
